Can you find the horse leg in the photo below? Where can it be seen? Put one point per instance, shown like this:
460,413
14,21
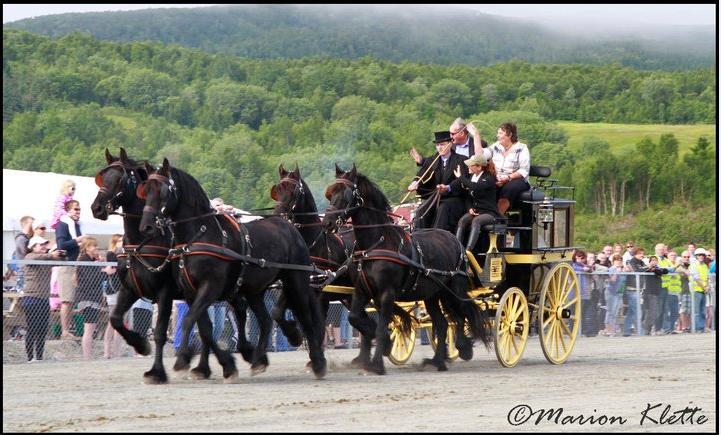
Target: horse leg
306,309
156,374
202,370
259,361
198,312
289,327
383,339
459,310
359,319
240,308
126,298
440,329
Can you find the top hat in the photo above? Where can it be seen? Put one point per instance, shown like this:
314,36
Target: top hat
442,136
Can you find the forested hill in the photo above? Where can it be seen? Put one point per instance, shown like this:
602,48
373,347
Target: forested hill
415,34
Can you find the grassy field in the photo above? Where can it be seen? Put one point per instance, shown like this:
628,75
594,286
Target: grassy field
623,137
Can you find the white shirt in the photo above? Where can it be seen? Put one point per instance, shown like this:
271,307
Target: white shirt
517,160
476,177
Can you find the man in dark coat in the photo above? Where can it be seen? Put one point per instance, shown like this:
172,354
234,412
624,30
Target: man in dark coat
438,170
463,143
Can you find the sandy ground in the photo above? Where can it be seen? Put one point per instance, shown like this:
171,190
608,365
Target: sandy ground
612,377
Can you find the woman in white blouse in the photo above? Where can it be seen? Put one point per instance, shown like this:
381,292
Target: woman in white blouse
512,161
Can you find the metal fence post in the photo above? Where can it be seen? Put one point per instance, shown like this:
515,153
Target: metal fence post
693,307
639,331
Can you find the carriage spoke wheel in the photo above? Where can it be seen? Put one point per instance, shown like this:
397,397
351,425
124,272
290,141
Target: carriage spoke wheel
450,341
559,315
401,345
511,327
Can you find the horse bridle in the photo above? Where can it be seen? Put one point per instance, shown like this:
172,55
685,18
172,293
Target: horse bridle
298,191
161,221
128,180
344,213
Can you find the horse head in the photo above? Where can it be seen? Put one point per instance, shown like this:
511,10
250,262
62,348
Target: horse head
161,198
289,193
343,197
117,182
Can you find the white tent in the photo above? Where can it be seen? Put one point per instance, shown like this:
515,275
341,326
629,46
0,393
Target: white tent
34,193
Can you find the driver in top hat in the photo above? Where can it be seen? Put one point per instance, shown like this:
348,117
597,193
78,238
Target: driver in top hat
439,170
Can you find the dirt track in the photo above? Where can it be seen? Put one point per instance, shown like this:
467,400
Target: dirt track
604,376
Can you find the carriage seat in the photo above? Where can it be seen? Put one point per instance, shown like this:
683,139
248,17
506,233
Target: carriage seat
532,194
497,227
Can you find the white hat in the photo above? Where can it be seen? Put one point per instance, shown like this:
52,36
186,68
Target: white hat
477,159
700,251
37,240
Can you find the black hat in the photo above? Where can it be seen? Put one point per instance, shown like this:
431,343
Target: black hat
442,136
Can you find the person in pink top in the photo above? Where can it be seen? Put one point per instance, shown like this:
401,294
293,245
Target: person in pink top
67,190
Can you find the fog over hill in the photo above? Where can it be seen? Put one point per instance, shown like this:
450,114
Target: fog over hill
417,33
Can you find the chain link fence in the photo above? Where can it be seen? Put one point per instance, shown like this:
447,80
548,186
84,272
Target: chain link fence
31,310
626,303
612,303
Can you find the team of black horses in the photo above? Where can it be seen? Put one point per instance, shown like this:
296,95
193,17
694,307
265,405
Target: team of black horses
178,247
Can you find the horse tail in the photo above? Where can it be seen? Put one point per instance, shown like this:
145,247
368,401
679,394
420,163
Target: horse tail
479,322
406,321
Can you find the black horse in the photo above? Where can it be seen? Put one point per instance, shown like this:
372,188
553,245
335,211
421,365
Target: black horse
217,258
141,267
391,265
328,251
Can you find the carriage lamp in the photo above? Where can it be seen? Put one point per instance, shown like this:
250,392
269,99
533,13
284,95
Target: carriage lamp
545,211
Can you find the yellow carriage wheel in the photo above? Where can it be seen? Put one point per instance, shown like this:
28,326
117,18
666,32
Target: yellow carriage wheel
511,327
401,345
559,316
450,341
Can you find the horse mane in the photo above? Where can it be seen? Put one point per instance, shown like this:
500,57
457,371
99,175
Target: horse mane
193,194
308,196
372,194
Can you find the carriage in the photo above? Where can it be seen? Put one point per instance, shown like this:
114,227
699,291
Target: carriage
519,273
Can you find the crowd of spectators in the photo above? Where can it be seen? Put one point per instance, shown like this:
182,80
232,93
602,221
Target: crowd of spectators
614,283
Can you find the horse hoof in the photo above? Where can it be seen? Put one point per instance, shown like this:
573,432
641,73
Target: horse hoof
258,369
199,374
181,366
372,369
358,363
321,369
465,353
431,364
247,353
232,378
154,378
295,339
144,348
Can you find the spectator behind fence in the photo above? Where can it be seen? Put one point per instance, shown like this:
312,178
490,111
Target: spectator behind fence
634,285
89,293
711,263
582,269
661,252
21,248
614,294
682,269
598,294
67,190
700,287
68,237
672,281
36,294
112,338
651,295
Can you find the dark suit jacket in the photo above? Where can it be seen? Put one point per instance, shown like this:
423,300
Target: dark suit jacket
442,175
65,241
481,195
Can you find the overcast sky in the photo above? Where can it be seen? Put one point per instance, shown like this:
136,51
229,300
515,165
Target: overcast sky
597,13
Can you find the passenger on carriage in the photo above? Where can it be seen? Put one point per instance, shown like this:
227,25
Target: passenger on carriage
463,142
439,170
480,195
512,161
